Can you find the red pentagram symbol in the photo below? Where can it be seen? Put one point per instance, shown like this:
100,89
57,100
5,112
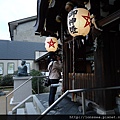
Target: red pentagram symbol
87,18
51,43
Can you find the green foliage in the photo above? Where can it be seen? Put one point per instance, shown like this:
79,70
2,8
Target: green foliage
15,72
6,80
0,77
37,81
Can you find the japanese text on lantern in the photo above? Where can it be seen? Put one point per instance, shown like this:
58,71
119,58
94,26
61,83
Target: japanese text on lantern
71,21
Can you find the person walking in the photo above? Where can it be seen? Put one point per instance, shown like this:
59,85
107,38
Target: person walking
55,68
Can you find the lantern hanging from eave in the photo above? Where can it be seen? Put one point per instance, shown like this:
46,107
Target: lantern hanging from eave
78,22
51,44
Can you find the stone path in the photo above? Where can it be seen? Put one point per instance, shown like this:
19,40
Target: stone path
64,107
3,102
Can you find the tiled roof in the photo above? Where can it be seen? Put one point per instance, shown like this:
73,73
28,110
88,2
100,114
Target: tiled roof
14,50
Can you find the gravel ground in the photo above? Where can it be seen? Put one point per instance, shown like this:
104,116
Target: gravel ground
3,102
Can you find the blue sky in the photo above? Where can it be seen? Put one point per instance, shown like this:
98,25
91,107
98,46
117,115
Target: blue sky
11,10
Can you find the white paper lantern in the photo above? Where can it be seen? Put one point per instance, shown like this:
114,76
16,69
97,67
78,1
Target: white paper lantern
51,44
78,22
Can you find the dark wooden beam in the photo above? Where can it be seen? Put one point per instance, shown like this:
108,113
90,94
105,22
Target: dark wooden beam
109,19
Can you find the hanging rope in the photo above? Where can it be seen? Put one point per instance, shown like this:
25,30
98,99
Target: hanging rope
73,81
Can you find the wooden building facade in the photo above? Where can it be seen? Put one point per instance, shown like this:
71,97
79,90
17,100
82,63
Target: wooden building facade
92,61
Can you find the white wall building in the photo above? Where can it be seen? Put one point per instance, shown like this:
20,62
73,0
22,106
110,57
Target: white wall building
12,52
24,45
23,30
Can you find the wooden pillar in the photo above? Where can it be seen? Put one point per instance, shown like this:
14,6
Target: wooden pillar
105,69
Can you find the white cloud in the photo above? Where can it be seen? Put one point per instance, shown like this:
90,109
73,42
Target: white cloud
11,10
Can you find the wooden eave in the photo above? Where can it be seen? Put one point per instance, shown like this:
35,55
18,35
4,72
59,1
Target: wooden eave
109,19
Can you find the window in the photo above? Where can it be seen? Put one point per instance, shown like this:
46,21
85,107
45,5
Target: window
10,68
1,68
